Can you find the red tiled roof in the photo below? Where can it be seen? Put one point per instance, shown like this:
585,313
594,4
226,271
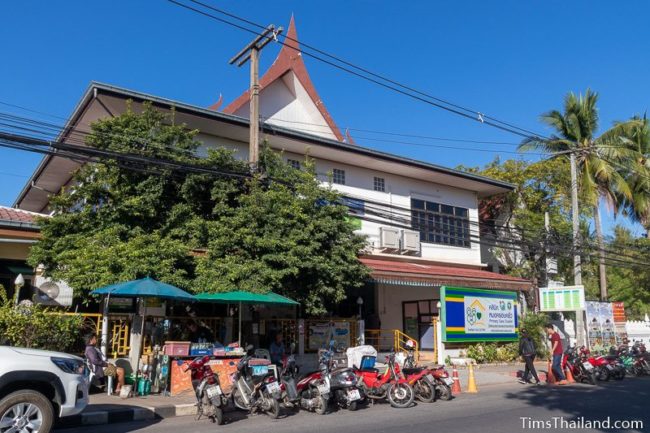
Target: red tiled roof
18,215
431,271
289,59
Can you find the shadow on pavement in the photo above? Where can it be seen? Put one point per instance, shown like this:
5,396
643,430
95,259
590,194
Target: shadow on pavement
620,400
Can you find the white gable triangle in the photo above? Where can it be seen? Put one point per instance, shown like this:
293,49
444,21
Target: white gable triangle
286,103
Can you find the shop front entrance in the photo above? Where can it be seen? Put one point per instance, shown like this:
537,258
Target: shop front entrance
418,321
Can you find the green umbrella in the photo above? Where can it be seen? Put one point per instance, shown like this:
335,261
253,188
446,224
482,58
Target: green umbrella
241,297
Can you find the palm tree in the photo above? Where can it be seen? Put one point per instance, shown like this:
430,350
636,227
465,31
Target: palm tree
598,158
638,174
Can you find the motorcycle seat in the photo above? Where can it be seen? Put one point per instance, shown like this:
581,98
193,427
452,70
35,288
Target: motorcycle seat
369,370
410,371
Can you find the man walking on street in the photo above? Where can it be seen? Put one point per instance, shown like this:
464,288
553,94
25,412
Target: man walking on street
556,351
527,350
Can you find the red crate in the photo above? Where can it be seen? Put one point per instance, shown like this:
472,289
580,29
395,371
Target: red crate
177,348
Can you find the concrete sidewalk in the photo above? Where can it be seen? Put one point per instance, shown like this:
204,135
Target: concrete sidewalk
104,409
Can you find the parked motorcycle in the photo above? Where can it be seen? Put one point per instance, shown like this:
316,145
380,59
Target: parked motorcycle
388,385
309,393
642,357
581,369
605,367
210,398
343,382
255,387
438,375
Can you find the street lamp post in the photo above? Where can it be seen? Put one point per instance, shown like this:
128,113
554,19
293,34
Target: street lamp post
360,304
18,284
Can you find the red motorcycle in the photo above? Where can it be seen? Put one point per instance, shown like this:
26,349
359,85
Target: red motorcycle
437,375
604,367
210,399
581,369
388,385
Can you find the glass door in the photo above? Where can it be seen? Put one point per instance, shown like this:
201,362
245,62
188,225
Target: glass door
417,321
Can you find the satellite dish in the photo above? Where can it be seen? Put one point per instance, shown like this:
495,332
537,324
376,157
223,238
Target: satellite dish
49,291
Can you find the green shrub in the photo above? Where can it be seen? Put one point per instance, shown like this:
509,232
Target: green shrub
492,352
38,327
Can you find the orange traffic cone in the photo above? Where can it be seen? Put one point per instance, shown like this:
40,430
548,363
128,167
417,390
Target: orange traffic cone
569,375
550,378
455,388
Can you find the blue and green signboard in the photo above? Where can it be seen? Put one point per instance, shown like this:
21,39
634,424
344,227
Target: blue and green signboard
472,315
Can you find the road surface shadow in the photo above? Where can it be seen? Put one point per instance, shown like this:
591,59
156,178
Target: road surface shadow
620,400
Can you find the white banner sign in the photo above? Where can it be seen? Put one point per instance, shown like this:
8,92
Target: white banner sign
489,315
562,298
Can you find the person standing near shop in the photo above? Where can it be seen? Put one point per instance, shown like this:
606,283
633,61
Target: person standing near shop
527,350
277,349
556,351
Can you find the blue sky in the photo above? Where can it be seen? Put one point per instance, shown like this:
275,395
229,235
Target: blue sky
509,59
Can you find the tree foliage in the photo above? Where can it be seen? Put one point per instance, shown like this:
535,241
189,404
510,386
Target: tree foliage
279,231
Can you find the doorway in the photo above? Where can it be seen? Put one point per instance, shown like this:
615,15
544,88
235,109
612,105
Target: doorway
417,319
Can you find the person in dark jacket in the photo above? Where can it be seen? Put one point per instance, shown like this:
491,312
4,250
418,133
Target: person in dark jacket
527,351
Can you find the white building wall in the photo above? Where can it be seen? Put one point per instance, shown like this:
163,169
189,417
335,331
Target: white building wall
390,298
359,183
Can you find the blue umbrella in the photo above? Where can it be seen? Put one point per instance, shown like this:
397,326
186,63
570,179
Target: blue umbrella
144,288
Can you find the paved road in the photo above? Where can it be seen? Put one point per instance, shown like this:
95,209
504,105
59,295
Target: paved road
497,408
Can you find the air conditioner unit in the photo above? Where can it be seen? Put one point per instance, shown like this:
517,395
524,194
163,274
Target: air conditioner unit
388,238
410,241
55,293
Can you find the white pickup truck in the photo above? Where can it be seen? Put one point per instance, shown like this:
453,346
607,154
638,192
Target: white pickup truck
36,386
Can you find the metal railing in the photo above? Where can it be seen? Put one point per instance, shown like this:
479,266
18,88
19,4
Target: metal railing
386,339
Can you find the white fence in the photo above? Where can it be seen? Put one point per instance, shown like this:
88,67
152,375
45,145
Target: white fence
638,331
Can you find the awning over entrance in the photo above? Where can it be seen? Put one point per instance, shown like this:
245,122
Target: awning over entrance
427,274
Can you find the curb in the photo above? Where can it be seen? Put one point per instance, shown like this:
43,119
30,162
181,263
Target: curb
115,416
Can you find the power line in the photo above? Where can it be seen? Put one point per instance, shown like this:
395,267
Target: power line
474,113
476,116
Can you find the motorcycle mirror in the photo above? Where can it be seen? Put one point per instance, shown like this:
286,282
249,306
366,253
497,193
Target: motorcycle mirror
332,343
249,348
179,362
293,347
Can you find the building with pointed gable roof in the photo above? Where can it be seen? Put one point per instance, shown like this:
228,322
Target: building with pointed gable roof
385,191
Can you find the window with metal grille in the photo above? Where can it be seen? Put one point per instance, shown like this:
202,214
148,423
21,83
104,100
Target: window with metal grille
440,223
294,163
380,184
338,176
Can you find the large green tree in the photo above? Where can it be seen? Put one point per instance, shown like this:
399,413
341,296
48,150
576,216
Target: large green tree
203,231
599,158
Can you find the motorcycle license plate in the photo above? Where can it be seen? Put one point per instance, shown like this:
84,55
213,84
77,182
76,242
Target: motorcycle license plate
448,380
323,389
213,391
430,378
587,366
273,387
353,395
609,367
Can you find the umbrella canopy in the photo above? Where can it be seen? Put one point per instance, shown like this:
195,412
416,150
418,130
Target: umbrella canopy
240,297
144,288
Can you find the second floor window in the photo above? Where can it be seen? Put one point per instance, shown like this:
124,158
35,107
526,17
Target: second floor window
380,184
338,176
294,163
440,223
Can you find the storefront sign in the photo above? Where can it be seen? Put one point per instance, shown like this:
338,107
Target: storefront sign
618,308
562,298
478,315
321,333
600,324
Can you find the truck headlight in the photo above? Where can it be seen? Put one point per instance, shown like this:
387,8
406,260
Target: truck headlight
69,365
